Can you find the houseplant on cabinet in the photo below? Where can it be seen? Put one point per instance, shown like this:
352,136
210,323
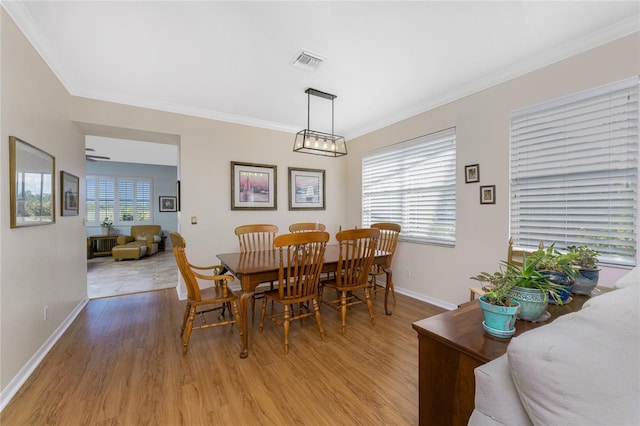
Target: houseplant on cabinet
106,226
558,268
498,307
586,262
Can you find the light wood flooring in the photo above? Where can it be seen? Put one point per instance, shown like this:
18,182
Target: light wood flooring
120,363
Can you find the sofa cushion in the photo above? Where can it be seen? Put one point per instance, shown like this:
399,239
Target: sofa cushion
630,278
584,367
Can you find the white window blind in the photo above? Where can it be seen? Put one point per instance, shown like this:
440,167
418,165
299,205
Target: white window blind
413,184
574,172
126,201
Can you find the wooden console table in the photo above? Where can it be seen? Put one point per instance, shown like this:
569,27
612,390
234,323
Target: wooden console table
101,245
451,345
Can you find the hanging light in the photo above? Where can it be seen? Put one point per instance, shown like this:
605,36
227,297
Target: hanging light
319,143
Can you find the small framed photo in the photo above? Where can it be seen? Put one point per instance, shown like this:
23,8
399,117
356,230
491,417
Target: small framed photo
488,194
253,186
168,204
472,173
306,189
69,191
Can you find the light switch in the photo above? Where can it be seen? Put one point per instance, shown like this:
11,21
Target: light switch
194,220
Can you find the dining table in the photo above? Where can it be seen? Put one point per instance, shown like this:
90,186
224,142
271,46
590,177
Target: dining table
253,268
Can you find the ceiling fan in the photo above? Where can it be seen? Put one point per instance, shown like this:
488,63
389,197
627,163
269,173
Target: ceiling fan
91,157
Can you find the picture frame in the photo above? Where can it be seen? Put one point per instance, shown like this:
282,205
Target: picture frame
253,186
32,182
306,189
488,194
472,173
69,194
168,204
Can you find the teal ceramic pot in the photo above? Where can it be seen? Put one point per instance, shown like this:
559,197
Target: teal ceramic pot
499,321
586,281
533,303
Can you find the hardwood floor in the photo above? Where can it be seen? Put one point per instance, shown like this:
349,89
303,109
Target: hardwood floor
120,363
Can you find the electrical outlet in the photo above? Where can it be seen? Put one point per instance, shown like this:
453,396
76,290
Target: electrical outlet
194,220
407,272
44,313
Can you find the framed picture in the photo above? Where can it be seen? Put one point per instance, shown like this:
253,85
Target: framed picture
168,204
488,194
69,191
253,186
178,193
306,189
32,182
472,173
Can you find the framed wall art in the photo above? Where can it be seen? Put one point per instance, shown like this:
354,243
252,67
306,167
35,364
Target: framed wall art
306,189
69,192
488,194
472,173
32,182
168,204
253,186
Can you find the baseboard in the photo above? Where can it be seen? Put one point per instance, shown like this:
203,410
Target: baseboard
16,383
437,302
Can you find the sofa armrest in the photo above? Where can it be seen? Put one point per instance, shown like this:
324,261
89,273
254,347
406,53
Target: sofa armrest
496,399
123,239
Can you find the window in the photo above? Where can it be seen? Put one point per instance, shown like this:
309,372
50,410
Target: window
127,201
574,172
414,184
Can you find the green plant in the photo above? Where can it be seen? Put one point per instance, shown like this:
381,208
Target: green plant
550,259
585,258
496,288
106,223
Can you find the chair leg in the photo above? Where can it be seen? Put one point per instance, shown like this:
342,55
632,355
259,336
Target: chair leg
236,315
343,311
184,319
185,343
287,322
263,312
316,309
367,296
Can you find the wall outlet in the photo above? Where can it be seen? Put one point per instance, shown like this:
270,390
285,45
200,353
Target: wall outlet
44,313
194,220
407,272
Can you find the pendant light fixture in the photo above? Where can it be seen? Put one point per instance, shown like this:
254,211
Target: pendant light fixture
319,143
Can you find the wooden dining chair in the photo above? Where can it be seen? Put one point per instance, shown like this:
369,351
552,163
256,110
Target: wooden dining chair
300,264
306,227
389,233
357,250
256,237
218,298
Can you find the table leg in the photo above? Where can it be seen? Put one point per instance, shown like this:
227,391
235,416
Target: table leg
389,283
245,298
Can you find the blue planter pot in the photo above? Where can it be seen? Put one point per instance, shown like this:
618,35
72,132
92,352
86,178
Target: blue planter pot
533,303
586,281
563,280
499,321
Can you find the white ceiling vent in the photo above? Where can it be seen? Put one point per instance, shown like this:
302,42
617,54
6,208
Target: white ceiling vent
307,61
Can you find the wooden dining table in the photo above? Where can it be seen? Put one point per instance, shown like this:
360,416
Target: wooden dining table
253,268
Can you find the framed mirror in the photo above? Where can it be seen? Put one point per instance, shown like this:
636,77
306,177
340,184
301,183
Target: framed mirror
32,185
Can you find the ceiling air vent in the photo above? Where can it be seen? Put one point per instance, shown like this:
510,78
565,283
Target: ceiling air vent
307,61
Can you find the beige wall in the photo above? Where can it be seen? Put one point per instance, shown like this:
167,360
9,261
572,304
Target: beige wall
42,265
482,125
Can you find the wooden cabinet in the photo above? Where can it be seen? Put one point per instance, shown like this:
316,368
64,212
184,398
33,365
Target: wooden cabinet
101,245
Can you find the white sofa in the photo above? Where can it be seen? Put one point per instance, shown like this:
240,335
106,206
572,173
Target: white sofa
582,369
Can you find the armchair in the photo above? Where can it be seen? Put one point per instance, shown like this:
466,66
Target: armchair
143,241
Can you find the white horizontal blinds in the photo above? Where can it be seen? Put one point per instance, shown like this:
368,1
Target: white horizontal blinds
91,197
125,200
413,184
143,200
106,198
574,172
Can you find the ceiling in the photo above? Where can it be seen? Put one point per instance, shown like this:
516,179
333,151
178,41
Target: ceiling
232,61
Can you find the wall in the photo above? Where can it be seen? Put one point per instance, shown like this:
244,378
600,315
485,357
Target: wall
482,125
164,184
41,265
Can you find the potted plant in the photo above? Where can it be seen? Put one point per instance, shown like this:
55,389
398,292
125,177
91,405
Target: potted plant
558,268
586,263
106,226
499,309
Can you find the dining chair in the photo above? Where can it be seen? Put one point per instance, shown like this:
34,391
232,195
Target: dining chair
357,250
300,264
306,227
389,233
256,237
514,256
217,298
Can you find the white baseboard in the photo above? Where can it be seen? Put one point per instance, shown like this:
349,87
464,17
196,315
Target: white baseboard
16,383
422,297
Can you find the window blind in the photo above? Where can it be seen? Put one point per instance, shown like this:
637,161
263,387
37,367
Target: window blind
125,200
574,172
413,184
